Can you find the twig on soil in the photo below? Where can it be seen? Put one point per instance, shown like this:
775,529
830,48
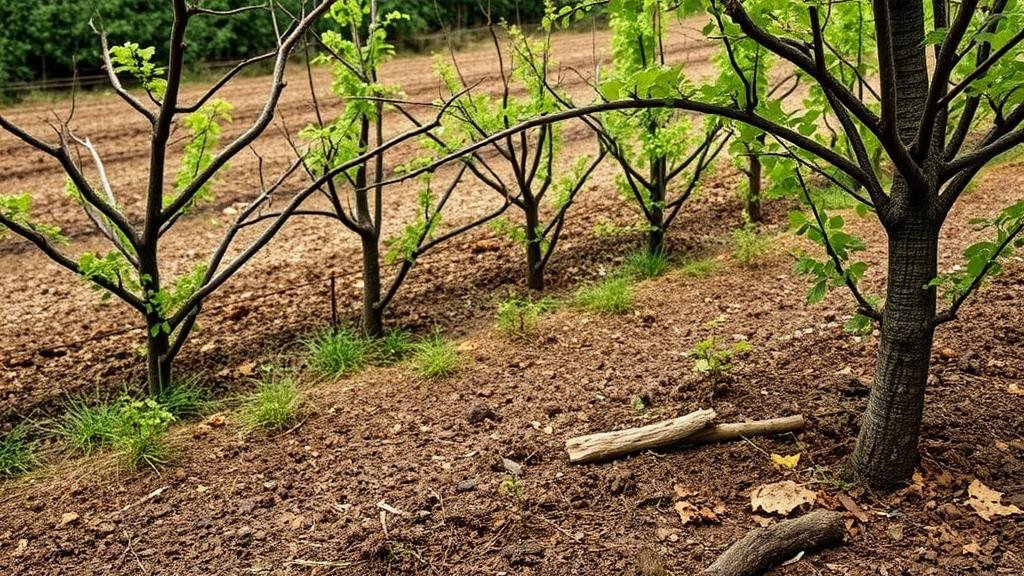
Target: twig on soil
151,496
693,428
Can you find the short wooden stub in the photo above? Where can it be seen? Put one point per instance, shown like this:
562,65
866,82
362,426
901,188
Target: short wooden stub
770,546
605,445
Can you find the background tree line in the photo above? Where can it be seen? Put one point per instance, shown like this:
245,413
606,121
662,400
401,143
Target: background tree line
49,38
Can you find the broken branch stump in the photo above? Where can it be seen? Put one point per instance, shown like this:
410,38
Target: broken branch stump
683,430
604,445
765,547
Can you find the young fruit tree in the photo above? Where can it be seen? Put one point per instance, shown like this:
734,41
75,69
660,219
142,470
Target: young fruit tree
661,156
521,168
133,269
355,46
937,126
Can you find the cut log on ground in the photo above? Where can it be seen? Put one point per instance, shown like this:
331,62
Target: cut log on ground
763,548
604,445
690,429
737,430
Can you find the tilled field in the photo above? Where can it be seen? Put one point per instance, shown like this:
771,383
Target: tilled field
307,502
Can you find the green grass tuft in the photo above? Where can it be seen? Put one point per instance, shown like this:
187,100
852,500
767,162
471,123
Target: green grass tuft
749,245
612,296
276,405
87,428
185,399
337,353
518,318
17,452
644,265
435,357
701,268
393,347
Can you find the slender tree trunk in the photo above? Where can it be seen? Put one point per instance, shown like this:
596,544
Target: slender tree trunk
157,340
534,247
159,366
656,235
754,190
887,447
373,314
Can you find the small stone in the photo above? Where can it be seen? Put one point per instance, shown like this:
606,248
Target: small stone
467,485
67,518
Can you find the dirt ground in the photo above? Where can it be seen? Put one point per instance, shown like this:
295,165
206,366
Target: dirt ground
310,501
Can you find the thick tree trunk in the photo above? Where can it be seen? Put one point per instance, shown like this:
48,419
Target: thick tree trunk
887,447
656,235
373,315
534,248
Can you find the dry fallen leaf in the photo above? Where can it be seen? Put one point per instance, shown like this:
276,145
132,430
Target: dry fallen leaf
689,513
781,497
986,502
682,491
973,548
247,369
853,508
785,462
1015,390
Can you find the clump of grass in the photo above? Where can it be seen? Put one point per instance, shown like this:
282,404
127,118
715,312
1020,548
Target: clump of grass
87,428
700,268
276,405
435,357
714,358
17,452
612,296
184,399
139,436
749,246
393,347
334,353
643,265
518,318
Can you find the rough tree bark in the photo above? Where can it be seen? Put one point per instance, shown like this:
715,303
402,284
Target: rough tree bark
887,445
765,547
534,245
656,235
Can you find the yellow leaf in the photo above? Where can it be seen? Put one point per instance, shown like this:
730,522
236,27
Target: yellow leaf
987,502
1015,390
785,462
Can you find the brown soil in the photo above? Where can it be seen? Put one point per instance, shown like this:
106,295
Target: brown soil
307,502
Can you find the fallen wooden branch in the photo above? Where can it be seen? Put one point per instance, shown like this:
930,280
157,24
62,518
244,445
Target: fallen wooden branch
765,547
737,430
690,429
604,445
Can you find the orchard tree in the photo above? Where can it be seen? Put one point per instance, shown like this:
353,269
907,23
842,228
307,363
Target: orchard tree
521,167
356,45
661,156
937,127
133,269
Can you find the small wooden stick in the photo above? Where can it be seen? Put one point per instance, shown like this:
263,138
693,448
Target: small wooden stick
605,445
765,547
737,430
